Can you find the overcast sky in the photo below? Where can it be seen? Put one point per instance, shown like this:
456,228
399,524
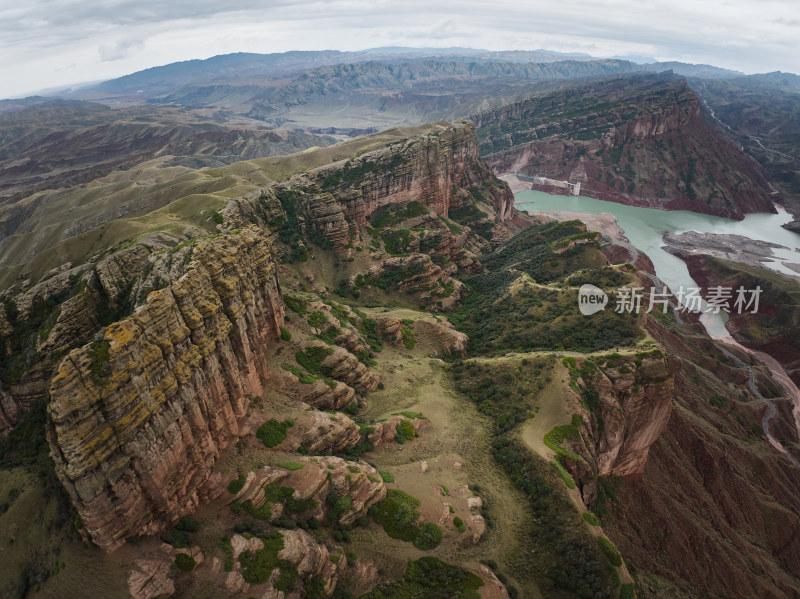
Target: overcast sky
53,43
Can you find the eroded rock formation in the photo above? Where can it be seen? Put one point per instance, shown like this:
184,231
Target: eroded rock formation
140,415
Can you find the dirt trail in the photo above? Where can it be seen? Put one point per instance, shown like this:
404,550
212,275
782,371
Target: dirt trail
780,376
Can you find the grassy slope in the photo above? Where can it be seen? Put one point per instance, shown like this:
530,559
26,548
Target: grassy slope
157,198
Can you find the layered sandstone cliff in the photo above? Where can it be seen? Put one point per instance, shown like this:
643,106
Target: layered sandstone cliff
423,169
640,140
140,414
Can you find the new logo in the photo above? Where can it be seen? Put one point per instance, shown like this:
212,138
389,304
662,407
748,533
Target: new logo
591,299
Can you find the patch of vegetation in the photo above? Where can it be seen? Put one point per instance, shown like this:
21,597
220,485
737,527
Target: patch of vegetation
276,493
285,334
272,433
409,339
718,402
317,319
405,431
392,275
26,446
398,516
185,562
566,476
257,566
236,484
627,591
397,241
392,215
290,465
591,518
564,432
504,391
261,513
577,567
387,477
459,524
428,537
311,359
610,551
99,369
296,304
412,415
430,578
521,302
304,377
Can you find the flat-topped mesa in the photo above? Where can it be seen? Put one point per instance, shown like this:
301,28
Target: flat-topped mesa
429,168
140,415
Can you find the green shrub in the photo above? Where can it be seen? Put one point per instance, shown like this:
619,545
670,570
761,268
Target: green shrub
179,539
459,524
591,518
311,359
304,377
627,591
290,465
285,335
184,562
387,478
99,369
398,515
295,304
610,551
187,524
317,319
430,578
409,340
428,537
405,431
568,480
262,513
718,402
272,432
257,566
564,432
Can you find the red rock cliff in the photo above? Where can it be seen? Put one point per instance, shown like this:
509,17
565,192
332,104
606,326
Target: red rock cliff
139,417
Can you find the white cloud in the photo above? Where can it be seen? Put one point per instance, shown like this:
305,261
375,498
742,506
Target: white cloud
41,39
119,49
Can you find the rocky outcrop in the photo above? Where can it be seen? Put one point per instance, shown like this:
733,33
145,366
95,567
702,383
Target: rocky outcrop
359,483
322,476
443,336
140,415
424,169
386,431
150,579
629,401
300,552
321,395
639,140
418,275
322,432
345,367
310,558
